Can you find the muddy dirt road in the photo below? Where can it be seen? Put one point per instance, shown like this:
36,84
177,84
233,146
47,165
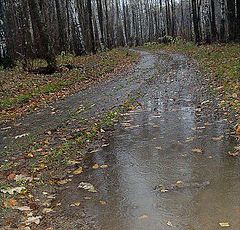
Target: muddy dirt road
168,163
166,166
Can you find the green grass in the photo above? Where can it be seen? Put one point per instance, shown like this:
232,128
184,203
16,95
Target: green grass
24,98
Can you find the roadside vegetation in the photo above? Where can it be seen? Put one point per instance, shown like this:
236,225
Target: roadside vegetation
221,62
22,91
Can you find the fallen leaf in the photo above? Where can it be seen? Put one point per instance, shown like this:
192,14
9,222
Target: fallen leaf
73,162
96,166
11,191
238,129
62,182
10,203
103,202
29,155
158,148
22,135
75,204
23,208
6,128
87,186
78,171
104,166
190,139
217,138
179,182
197,150
143,217
95,151
22,178
11,176
33,219
224,224
42,166
234,154
47,210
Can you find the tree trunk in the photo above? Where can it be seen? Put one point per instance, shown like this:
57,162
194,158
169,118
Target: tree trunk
47,48
213,22
90,29
231,20
196,22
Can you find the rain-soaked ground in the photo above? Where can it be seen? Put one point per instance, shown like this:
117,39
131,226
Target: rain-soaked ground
168,164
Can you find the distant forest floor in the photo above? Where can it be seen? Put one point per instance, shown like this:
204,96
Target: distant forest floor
22,91
222,63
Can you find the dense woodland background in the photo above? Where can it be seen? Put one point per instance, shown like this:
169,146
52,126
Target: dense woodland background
46,28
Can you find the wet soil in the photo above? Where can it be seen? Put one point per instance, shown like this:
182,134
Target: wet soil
168,162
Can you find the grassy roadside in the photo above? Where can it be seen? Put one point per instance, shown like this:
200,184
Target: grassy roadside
21,91
222,62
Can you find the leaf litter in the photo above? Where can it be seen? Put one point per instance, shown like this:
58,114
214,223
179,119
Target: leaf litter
87,186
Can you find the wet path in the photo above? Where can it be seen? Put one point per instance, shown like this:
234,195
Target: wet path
167,164
88,104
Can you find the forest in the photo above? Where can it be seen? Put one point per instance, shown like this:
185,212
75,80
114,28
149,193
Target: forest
43,29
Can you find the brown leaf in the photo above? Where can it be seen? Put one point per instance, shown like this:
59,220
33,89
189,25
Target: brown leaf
238,130
11,176
12,202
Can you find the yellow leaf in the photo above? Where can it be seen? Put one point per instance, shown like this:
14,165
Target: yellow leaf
224,224
76,204
78,171
96,166
104,166
62,182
